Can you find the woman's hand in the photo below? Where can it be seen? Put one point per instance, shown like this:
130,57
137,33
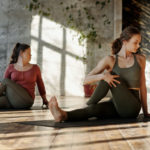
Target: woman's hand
45,101
45,104
110,79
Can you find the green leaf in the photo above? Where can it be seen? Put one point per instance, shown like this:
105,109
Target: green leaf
40,12
84,59
99,46
79,13
48,9
35,1
70,16
102,5
88,17
77,57
67,8
89,25
45,14
30,7
93,18
85,8
103,15
97,2
108,22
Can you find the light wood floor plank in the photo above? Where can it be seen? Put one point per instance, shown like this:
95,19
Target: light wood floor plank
136,137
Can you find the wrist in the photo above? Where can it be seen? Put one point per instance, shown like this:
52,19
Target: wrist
103,76
44,98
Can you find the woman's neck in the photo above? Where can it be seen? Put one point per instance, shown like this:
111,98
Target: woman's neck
21,63
124,53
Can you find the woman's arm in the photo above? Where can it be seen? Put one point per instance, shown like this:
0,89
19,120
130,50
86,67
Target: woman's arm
143,89
41,86
98,74
45,101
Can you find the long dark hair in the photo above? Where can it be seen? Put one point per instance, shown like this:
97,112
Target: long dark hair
16,51
126,35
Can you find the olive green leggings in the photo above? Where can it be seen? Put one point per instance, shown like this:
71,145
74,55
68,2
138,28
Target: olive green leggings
125,103
14,96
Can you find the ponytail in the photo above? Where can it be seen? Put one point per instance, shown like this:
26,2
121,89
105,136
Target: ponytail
116,46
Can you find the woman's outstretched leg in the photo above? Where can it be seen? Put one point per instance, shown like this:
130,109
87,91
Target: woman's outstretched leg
104,109
58,114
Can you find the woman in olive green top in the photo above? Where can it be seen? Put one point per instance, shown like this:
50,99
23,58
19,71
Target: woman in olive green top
124,75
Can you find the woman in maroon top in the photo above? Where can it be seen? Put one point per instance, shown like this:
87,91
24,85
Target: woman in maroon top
18,86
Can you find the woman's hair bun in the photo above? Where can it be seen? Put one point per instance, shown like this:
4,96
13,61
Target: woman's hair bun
17,44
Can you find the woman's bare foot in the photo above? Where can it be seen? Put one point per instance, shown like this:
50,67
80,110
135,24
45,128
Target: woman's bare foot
58,114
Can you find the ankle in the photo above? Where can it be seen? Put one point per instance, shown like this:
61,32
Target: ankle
65,116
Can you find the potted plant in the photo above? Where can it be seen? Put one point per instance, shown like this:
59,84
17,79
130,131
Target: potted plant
89,89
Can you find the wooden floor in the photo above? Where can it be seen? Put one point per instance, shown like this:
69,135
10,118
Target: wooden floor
16,136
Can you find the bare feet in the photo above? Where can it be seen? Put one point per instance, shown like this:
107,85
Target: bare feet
58,114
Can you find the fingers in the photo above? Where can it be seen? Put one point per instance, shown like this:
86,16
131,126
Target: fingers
116,81
110,79
115,76
112,83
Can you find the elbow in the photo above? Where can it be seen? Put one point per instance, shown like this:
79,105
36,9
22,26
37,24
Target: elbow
85,81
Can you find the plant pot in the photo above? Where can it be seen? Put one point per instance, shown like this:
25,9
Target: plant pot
89,89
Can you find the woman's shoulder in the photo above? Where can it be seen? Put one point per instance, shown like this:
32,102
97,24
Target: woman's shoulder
140,58
10,66
36,67
108,61
110,58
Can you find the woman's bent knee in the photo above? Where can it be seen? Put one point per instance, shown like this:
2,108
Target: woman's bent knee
7,81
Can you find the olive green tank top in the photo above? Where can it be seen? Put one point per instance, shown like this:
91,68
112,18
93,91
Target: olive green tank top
130,75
